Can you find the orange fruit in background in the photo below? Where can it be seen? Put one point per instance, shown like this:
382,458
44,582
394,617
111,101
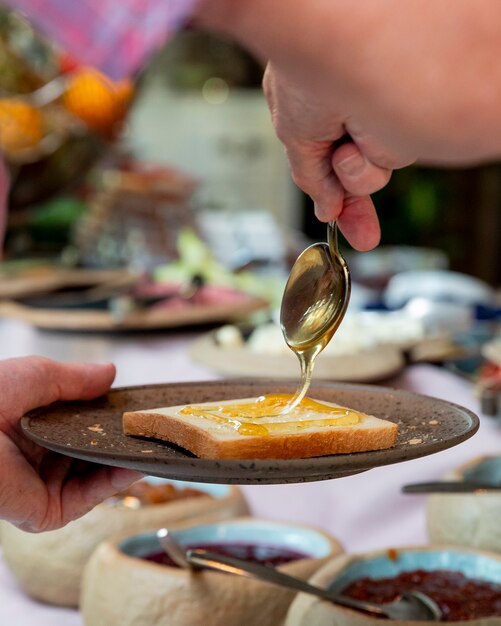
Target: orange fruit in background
97,100
21,125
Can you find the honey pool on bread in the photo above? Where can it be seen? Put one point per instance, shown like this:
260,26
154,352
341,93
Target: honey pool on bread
265,415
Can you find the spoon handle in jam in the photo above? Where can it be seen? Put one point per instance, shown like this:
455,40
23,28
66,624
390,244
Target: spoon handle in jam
445,486
247,569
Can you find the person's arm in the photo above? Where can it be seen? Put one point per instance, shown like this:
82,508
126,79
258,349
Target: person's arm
41,490
407,80
404,80
422,74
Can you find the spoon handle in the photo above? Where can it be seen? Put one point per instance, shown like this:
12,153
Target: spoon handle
332,239
176,552
448,487
239,567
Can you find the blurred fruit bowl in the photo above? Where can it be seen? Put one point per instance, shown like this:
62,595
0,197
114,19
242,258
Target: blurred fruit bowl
56,116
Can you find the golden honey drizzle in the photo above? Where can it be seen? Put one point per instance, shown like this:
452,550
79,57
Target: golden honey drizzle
250,418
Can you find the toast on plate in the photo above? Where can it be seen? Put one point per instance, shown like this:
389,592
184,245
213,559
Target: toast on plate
257,428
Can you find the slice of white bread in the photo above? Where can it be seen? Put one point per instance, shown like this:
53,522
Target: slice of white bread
208,439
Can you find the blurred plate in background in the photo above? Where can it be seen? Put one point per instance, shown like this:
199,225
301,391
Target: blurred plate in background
25,279
89,320
372,365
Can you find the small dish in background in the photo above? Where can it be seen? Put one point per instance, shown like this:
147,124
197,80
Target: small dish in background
227,352
375,268
491,351
121,588
440,286
481,365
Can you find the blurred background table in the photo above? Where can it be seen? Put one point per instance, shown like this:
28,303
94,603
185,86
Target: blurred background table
89,191
364,512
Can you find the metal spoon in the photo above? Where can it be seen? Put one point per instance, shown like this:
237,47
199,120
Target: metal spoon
315,300
484,476
449,486
413,605
173,548
409,606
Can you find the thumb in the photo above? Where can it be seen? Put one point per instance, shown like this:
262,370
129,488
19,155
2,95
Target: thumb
30,382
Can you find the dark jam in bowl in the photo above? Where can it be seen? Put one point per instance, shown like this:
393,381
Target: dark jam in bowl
459,598
265,555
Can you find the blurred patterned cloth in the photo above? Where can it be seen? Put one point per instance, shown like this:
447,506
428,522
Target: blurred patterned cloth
116,36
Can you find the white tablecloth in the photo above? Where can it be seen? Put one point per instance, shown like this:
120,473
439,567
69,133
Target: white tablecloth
364,512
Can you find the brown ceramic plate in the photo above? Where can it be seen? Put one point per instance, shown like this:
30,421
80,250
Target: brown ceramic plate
426,425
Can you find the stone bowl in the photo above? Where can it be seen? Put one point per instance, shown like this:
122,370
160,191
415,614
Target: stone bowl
122,589
339,572
48,566
470,519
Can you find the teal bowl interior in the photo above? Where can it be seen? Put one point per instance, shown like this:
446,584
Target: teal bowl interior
477,566
487,471
248,531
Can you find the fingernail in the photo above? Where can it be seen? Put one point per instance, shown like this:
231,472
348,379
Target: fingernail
319,212
353,165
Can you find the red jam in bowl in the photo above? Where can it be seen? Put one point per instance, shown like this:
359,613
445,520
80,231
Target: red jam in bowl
459,598
265,555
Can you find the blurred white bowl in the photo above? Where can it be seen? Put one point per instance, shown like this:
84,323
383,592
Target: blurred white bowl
469,519
439,317
379,265
443,286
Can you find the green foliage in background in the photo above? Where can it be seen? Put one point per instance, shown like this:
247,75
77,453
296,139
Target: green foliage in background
55,220
45,228
415,208
419,207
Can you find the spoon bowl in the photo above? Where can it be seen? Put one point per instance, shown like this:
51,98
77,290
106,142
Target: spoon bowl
315,300
316,295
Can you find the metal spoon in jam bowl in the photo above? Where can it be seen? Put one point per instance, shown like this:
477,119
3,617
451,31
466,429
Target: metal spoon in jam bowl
412,605
315,300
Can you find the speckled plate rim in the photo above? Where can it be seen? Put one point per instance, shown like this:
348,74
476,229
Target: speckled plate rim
171,462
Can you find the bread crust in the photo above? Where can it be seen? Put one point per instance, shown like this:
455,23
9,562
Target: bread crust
328,440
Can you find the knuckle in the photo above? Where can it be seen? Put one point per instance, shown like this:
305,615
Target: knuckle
305,182
368,183
299,178
281,128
